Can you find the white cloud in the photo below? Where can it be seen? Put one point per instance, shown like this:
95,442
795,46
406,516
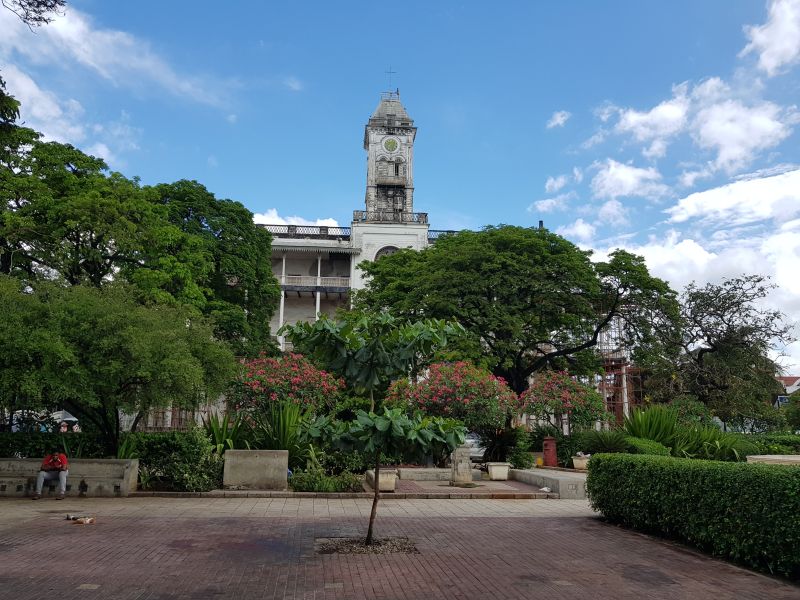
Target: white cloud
65,121
552,204
689,178
100,150
598,138
777,42
553,184
232,118
738,132
659,123
577,174
42,110
681,260
116,56
741,202
558,119
579,230
615,180
657,149
613,213
294,84
271,217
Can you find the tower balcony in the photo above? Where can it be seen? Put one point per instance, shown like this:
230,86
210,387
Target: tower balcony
389,216
391,180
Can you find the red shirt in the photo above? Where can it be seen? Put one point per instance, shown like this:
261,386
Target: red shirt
55,462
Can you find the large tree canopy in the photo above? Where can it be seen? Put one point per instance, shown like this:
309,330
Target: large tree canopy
530,299
96,352
241,291
723,351
64,218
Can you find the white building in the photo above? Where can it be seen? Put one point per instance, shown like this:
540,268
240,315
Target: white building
316,265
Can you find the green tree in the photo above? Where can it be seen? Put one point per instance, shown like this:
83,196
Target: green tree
394,432
371,351
530,299
97,353
241,292
723,352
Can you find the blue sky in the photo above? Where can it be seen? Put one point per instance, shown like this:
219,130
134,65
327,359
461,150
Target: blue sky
666,128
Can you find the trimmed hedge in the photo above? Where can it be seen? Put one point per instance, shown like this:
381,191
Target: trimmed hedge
774,443
747,513
643,446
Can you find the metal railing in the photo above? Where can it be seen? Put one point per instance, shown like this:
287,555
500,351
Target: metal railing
435,234
311,281
308,231
389,216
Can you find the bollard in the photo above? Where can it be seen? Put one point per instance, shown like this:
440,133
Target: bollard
549,450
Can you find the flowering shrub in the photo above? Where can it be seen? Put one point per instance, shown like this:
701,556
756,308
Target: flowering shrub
289,378
458,390
556,398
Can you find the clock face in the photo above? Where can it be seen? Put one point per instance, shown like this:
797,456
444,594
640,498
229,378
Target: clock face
390,144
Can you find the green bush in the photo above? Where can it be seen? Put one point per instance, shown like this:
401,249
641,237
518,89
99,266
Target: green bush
567,446
36,445
181,461
744,512
593,442
710,443
773,443
657,423
317,481
642,446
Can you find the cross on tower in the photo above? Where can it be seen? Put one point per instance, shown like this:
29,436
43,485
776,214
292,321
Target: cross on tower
390,73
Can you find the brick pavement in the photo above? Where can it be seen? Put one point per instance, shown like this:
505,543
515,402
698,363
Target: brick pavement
242,548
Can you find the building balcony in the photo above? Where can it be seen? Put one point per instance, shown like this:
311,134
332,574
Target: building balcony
310,283
389,216
308,231
399,180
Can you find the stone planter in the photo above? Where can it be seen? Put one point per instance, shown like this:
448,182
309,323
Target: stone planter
388,480
256,469
498,471
580,462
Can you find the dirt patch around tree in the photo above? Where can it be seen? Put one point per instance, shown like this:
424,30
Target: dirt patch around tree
395,545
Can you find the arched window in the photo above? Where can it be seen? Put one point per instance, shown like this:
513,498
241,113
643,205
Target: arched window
385,251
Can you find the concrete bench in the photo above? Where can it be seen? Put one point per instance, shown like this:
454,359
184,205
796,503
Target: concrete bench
87,477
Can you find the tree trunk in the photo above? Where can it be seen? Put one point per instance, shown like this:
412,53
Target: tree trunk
377,486
371,401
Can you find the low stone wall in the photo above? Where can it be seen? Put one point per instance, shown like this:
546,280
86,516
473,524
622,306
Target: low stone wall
775,459
256,469
87,477
566,485
432,474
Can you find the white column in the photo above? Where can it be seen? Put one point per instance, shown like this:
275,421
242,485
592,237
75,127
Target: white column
319,283
281,342
625,408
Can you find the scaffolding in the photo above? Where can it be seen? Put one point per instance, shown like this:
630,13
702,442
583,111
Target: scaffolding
620,383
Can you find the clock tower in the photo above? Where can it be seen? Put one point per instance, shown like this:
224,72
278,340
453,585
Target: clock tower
389,222
389,142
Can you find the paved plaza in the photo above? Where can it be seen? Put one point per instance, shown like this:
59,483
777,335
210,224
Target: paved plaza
243,548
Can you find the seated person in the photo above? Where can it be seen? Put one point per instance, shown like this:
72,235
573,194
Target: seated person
54,466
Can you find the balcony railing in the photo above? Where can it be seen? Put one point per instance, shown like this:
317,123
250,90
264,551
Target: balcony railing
435,234
389,216
308,231
311,281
